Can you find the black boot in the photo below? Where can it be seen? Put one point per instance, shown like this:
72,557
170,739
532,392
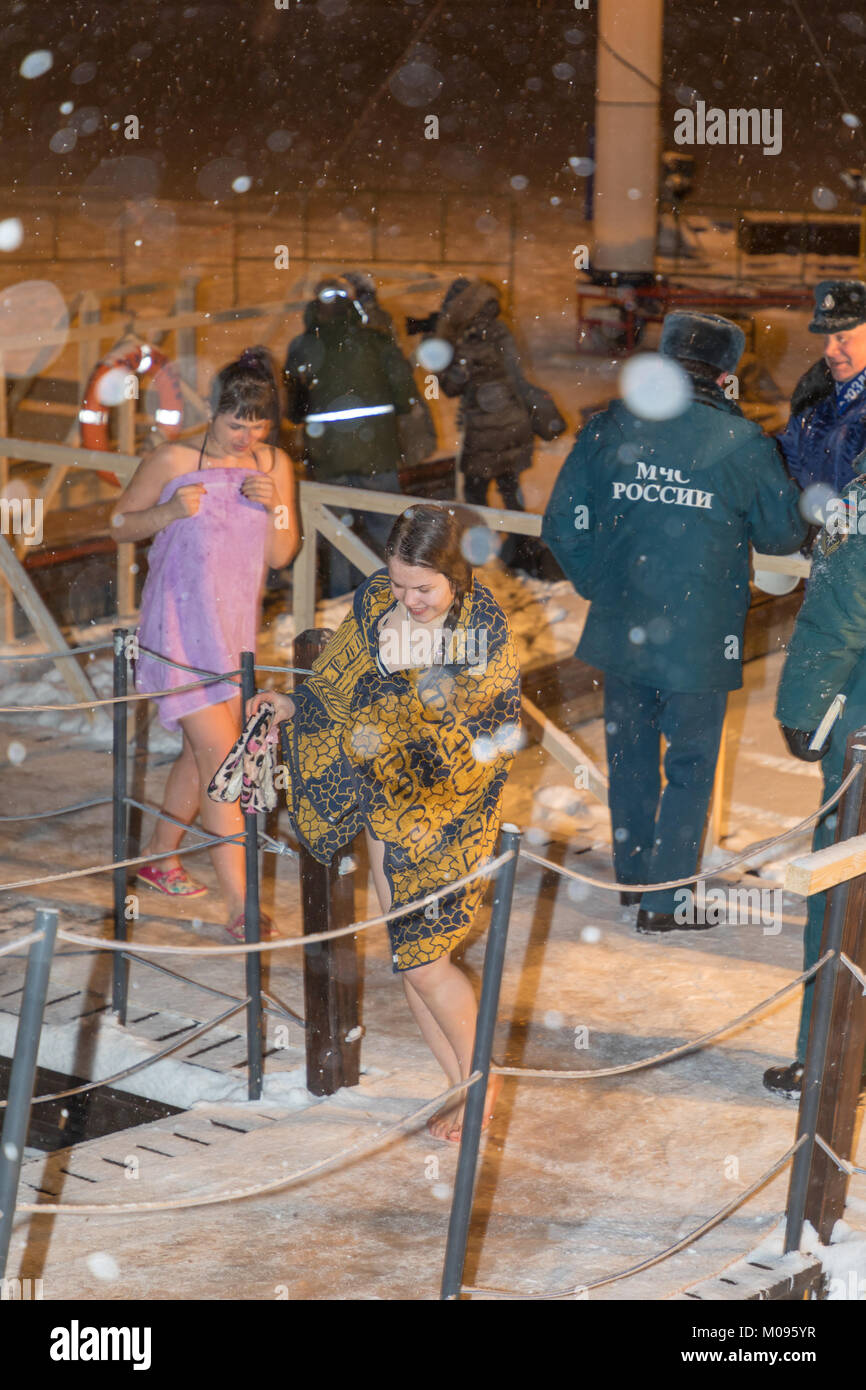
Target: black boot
785,1081
650,923
630,899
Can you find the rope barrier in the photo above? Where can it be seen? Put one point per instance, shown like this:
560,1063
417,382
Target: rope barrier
289,670
195,670
273,846
134,948
119,864
359,1150
63,811
159,814
19,942
113,699
858,974
58,655
841,1163
144,1062
198,671
272,1007
721,1215
709,873
681,1051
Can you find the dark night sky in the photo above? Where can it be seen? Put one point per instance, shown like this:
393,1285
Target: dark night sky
223,90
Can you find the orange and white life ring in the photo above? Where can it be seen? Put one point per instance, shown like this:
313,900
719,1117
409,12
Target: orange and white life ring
135,362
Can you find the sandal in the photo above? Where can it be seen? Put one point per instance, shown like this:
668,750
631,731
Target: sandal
173,881
235,928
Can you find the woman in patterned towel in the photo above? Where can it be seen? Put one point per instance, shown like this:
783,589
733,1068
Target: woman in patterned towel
406,730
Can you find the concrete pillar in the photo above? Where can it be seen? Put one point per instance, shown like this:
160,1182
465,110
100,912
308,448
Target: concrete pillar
627,134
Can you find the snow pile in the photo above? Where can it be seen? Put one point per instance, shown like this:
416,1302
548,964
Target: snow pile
843,1260
109,1048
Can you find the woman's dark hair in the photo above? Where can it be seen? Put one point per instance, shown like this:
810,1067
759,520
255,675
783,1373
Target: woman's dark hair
247,388
432,536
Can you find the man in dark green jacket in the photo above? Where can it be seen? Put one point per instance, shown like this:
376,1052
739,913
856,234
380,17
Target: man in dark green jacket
346,383
651,520
826,658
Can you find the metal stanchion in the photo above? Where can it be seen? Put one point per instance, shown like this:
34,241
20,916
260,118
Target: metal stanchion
17,1117
120,965
822,1003
252,924
494,957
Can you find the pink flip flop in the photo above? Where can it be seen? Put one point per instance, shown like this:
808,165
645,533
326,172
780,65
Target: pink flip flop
172,881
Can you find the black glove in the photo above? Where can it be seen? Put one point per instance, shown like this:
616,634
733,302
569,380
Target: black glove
798,742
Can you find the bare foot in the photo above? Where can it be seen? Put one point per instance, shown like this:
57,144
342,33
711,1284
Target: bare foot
448,1124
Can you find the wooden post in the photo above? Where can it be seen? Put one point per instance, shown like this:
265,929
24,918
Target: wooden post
42,622
88,348
716,822
184,338
333,1035
304,571
837,1035
7,613
125,595
843,1066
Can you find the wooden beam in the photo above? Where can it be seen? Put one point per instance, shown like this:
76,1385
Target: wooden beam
566,750
813,873
22,586
304,571
783,564
121,327
775,1279
184,338
7,612
345,540
125,587
89,314
37,451
394,503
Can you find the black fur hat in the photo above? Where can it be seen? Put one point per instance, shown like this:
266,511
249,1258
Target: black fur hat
839,305
699,337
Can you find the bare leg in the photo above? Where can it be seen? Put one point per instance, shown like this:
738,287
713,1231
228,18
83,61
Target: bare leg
443,1004
432,1034
211,733
451,1000
181,799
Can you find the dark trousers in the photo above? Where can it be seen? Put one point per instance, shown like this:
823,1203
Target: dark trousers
657,834
476,489
518,552
339,575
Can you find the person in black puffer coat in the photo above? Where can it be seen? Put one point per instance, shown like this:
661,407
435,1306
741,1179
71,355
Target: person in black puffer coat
495,414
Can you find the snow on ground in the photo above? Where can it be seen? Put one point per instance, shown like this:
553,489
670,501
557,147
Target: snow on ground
577,1180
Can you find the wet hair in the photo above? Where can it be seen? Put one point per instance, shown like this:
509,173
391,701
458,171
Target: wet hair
432,536
247,388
